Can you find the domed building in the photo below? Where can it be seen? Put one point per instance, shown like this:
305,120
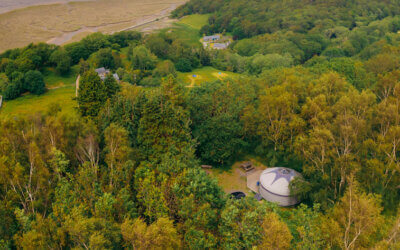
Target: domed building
274,185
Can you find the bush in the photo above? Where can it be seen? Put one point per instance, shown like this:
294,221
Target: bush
34,82
150,81
11,92
183,65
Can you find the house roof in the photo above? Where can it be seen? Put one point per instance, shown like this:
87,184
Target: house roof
211,37
220,45
102,70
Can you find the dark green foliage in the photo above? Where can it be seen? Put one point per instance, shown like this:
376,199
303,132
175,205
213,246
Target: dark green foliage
104,58
62,61
92,94
15,86
11,92
158,45
124,38
215,112
111,86
183,65
150,81
77,51
34,82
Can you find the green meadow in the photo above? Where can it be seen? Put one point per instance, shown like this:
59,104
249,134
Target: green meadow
205,74
195,21
61,89
31,104
52,79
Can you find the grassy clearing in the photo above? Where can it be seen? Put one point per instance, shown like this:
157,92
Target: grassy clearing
195,21
52,79
234,178
31,104
185,33
205,74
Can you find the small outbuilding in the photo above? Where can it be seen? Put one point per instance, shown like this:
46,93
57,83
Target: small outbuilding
274,185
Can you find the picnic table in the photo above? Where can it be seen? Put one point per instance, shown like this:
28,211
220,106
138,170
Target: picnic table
247,166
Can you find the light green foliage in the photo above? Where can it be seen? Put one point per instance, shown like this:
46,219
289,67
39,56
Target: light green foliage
239,226
143,59
195,21
358,217
164,69
161,234
258,63
117,154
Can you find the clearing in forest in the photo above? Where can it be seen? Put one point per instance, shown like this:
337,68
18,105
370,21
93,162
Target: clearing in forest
235,178
205,74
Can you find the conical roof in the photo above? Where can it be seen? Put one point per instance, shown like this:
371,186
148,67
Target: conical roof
277,180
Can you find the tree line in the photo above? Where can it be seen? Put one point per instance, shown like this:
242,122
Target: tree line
318,93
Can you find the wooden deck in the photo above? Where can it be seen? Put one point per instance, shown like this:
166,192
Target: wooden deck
252,179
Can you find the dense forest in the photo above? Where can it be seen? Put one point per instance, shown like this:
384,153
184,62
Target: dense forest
318,91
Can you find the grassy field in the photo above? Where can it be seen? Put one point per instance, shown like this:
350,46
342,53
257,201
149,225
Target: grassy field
42,23
205,74
53,80
61,89
30,104
185,33
195,21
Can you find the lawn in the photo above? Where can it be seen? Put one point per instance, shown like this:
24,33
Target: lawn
52,79
204,74
196,21
30,104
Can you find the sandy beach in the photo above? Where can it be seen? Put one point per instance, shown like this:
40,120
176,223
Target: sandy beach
63,21
9,5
